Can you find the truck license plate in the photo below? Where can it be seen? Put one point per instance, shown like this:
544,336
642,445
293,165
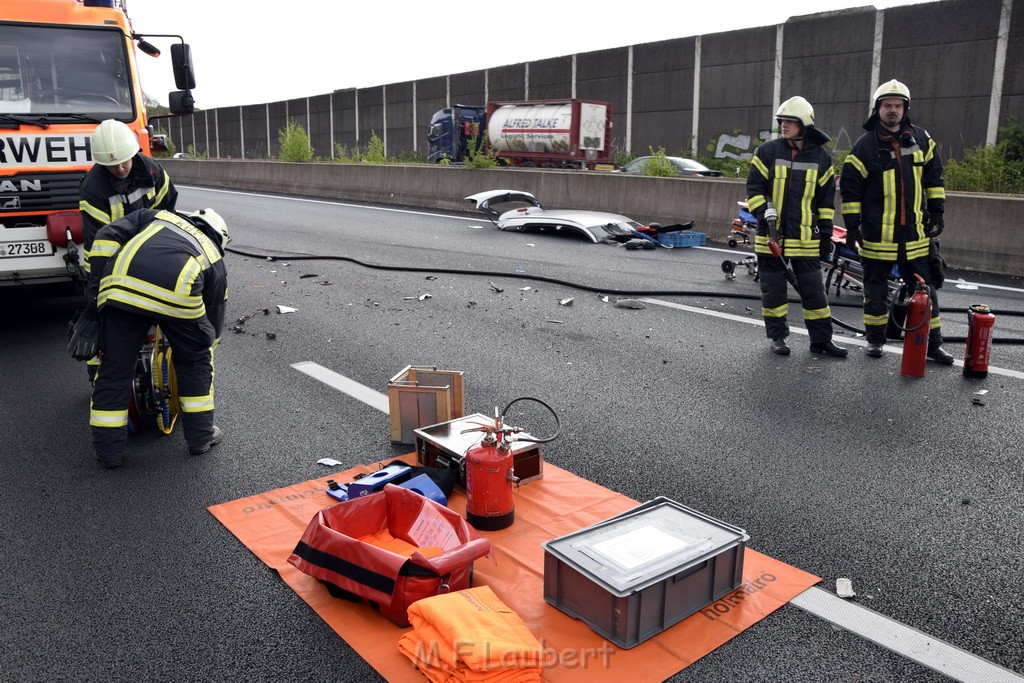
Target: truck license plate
27,248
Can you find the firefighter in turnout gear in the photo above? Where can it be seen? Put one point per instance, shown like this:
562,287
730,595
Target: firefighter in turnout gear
893,202
794,174
157,267
121,181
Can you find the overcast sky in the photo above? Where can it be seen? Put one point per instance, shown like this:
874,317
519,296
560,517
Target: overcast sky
253,52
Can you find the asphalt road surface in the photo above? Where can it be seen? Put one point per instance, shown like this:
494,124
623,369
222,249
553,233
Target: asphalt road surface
842,468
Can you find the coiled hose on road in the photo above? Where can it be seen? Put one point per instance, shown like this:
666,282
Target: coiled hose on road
576,285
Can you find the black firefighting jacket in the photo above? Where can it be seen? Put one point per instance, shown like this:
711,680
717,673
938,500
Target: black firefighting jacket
159,264
800,184
889,181
105,198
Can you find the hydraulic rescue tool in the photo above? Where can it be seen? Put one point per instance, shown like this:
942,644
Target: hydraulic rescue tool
980,322
154,392
915,342
771,217
490,477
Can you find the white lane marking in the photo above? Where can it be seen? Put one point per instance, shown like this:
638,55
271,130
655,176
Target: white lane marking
372,398
466,218
839,339
902,639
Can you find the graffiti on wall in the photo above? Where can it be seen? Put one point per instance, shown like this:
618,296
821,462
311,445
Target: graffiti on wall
739,146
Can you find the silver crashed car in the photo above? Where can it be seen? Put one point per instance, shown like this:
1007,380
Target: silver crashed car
597,226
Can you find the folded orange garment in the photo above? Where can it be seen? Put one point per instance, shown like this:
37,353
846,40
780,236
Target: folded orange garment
385,541
471,636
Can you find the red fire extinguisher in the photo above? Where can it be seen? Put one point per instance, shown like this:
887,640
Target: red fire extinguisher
980,322
491,480
915,341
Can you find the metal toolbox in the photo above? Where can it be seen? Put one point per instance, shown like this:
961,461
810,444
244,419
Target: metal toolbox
632,576
444,445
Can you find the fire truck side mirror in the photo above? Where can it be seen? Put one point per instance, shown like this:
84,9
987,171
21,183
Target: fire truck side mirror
181,102
181,62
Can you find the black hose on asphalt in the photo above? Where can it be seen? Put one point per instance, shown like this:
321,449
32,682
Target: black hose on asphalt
575,285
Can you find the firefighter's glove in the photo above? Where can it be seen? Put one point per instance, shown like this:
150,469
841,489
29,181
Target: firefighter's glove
825,248
85,335
936,224
853,237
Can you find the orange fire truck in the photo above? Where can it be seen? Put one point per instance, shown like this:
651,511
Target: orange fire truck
65,65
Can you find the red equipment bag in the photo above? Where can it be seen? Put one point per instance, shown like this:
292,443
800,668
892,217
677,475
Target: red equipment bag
333,549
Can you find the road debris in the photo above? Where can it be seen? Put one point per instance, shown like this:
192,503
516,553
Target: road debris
962,284
557,322
308,275
426,296
270,335
567,301
604,298
979,397
330,462
285,309
496,288
844,588
431,277
630,303
525,289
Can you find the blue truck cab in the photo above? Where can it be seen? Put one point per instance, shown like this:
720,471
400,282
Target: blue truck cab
452,130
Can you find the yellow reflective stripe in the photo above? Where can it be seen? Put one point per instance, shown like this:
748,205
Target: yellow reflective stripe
196,404
851,207
188,276
761,244
177,299
804,252
116,211
931,150
124,259
777,312
817,313
104,248
880,251
935,323
888,205
759,165
108,418
857,165
936,192
205,244
146,304
98,214
828,175
875,319
782,169
756,202
806,215
164,188
918,172
826,214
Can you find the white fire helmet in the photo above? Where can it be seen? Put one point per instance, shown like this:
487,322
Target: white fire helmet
796,109
217,225
113,143
891,89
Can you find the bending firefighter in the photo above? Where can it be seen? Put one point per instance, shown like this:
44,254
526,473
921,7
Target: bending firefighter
121,180
793,174
893,201
157,267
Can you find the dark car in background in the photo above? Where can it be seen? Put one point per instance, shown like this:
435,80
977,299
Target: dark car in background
685,168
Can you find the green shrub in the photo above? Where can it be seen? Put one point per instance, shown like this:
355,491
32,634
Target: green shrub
193,154
294,142
342,156
375,150
985,169
480,156
659,165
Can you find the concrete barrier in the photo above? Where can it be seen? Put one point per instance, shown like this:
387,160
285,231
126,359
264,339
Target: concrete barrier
981,230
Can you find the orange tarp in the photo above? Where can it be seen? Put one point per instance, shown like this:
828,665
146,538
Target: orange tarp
270,524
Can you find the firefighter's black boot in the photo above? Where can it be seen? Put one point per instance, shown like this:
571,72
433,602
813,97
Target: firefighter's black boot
874,350
779,346
829,349
940,355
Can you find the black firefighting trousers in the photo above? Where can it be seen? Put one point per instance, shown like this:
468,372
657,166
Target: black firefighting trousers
775,294
122,337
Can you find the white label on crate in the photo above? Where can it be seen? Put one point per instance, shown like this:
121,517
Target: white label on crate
641,546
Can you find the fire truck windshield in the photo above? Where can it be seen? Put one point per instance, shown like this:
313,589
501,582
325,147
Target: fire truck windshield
64,72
